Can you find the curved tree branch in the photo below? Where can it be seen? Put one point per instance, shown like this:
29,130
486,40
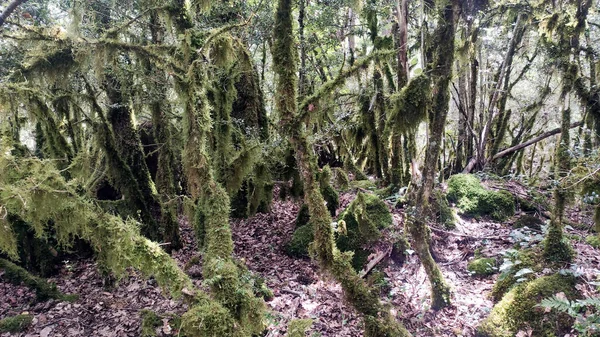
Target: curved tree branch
9,10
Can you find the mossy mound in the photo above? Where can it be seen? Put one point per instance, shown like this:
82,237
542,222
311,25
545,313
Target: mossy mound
301,239
150,321
525,259
518,309
593,240
209,319
528,221
364,218
443,212
474,200
16,323
482,266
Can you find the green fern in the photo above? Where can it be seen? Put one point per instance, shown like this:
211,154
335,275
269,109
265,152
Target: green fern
586,312
560,304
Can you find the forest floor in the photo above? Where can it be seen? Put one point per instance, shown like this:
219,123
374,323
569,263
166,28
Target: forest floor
299,290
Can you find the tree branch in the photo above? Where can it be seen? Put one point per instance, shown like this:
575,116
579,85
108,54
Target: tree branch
9,10
532,141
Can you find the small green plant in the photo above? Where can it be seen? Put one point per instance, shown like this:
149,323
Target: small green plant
16,323
586,312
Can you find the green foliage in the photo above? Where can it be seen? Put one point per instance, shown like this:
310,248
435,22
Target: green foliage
150,321
473,199
517,267
518,309
298,327
482,266
15,324
585,312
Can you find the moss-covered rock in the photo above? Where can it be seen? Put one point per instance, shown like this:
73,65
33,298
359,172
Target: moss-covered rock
301,239
16,323
473,199
528,221
482,266
593,240
364,218
518,309
150,321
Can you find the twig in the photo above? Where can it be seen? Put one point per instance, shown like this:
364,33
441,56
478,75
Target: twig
292,292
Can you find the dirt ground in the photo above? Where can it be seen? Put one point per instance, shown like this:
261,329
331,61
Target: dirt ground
299,290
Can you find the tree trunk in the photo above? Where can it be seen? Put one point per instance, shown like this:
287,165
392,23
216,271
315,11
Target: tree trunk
441,70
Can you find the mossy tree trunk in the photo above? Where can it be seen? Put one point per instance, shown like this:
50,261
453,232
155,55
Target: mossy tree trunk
555,247
378,321
441,73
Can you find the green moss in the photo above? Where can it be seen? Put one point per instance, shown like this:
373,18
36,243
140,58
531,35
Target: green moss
209,319
482,266
18,275
365,217
331,198
473,199
352,168
444,213
528,221
329,194
593,240
342,182
301,239
557,248
303,216
16,323
150,321
530,258
298,327
518,309
364,184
